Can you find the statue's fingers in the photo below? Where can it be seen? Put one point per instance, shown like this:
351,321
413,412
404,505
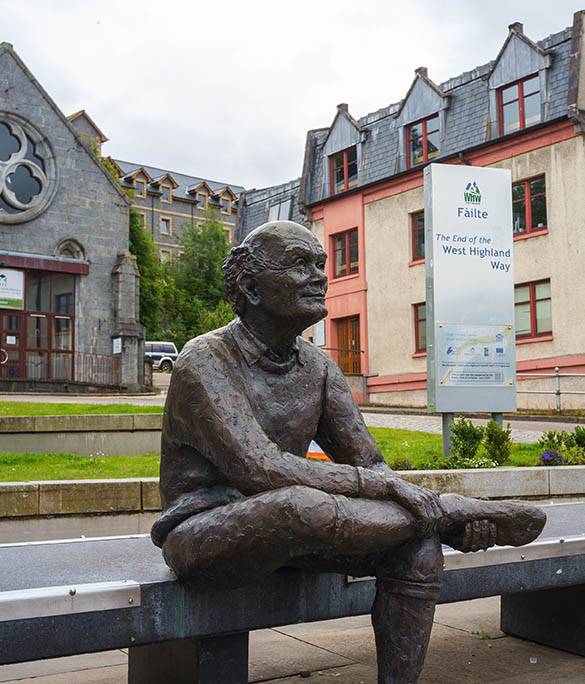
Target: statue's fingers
484,535
493,533
467,536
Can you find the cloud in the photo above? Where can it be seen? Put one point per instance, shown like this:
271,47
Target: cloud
228,91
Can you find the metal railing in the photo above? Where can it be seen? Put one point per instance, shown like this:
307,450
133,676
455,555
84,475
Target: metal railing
97,369
349,360
557,391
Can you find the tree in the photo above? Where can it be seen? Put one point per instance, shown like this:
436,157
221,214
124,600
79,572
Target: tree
204,248
142,246
194,299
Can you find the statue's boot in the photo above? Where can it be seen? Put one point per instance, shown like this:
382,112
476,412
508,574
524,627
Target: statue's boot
516,523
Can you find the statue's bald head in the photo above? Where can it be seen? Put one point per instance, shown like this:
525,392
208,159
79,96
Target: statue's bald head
263,248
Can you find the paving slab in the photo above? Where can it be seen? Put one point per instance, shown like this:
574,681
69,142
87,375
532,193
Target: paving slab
480,617
351,637
62,666
274,655
116,674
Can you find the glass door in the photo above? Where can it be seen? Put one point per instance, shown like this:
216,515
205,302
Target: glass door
11,345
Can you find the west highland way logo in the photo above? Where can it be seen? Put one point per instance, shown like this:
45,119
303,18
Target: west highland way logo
472,194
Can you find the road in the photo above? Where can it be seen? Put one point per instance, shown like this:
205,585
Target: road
522,430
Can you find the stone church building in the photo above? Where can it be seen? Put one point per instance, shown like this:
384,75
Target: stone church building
69,287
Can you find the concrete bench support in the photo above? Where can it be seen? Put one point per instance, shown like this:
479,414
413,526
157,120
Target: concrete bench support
553,617
191,661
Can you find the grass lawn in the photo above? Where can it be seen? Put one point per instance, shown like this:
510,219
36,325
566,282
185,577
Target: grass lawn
29,467
415,447
418,447
29,408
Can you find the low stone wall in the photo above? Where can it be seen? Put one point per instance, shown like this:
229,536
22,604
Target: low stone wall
90,497
108,435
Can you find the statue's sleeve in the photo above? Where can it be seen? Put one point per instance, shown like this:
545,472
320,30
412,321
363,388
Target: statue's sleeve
342,433
217,419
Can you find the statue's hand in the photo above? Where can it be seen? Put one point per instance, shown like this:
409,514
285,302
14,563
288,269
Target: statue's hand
478,535
422,503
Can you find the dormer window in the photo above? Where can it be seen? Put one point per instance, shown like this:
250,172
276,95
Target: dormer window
140,188
343,172
519,105
202,200
422,141
226,204
167,193
280,212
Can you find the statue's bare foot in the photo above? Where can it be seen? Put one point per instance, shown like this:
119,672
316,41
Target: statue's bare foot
516,523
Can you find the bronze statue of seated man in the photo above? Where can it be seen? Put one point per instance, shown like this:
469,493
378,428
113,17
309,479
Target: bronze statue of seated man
240,498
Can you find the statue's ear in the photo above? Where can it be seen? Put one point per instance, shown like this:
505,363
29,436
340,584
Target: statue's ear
249,287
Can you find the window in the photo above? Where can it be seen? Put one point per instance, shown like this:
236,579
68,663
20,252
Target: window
166,225
519,105
50,318
140,187
420,327
226,205
348,344
417,230
202,200
529,206
533,314
422,141
343,170
165,256
346,252
141,219
167,194
280,212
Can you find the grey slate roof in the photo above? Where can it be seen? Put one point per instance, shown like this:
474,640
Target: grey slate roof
254,205
185,182
466,121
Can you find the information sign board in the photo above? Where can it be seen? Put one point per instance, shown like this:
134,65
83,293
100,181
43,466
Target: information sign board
471,357
11,289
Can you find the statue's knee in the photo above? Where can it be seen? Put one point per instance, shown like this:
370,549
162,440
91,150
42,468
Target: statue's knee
307,512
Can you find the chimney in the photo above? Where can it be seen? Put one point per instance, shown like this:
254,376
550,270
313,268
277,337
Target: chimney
342,108
422,71
516,27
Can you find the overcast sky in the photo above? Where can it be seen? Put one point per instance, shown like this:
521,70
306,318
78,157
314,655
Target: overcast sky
227,90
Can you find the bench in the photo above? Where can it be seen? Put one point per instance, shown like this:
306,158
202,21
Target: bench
80,596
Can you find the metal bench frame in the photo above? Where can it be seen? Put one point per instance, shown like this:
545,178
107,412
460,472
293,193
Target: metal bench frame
180,634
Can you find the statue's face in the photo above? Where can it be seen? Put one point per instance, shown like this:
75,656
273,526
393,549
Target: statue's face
293,287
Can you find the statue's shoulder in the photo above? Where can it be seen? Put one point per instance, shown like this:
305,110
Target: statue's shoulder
310,351
198,352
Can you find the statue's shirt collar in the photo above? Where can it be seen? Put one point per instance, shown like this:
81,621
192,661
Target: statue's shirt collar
256,352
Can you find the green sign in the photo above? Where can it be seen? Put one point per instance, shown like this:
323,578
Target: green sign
11,289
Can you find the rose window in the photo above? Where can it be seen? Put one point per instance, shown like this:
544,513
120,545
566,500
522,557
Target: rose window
27,170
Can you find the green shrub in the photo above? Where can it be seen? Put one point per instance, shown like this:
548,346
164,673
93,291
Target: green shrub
579,437
556,440
402,464
466,438
479,461
498,442
574,455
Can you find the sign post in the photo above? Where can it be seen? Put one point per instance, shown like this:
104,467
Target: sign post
471,354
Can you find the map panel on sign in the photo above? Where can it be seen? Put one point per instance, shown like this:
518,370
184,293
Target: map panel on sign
479,355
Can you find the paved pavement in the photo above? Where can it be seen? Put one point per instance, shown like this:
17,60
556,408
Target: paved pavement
467,647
